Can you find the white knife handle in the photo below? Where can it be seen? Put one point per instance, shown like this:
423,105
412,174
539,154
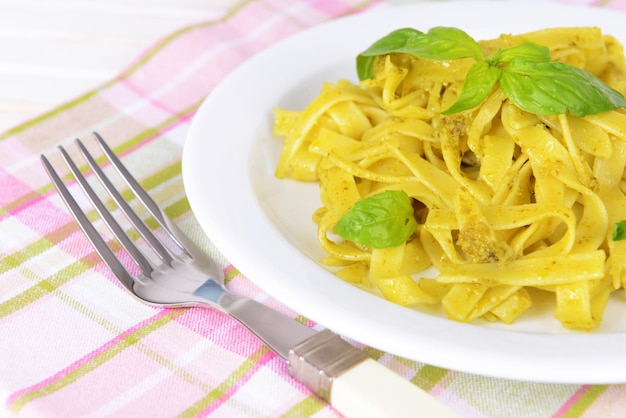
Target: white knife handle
355,384
370,389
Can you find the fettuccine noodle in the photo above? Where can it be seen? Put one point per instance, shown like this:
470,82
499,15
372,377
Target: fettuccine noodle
510,205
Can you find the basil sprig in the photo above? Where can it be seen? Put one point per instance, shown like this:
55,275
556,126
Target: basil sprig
381,220
526,73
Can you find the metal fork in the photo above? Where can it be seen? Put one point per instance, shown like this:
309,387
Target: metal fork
180,274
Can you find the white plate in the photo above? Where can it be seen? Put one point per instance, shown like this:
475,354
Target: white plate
263,225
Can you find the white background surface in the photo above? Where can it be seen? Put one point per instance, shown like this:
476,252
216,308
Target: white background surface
51,51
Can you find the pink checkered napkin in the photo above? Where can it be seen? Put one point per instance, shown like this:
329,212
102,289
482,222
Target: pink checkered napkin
74,344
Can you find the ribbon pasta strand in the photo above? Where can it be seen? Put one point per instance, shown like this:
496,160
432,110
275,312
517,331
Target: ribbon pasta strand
511,206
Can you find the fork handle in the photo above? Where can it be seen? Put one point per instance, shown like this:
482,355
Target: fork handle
357,385
362,386
276,330
371,390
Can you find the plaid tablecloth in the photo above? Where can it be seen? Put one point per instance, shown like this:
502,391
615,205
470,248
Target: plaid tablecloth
74,344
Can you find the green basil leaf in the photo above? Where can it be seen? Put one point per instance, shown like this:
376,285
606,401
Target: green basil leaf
440,43
382,220
445,43
395,41
619,231
479,82
552,88
526,73
529,51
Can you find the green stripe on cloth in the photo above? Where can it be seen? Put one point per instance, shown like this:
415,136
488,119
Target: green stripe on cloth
45,286
178,208
232,273
57,111
302,319
374,353
161,176
158,128
95,362
25,199
227,385
429,376
585,401
21,257
306,408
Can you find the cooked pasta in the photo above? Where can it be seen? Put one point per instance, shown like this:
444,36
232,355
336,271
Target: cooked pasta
511,205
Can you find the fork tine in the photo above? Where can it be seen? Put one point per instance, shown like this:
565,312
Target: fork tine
152,207
101,247
132,216
106,216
